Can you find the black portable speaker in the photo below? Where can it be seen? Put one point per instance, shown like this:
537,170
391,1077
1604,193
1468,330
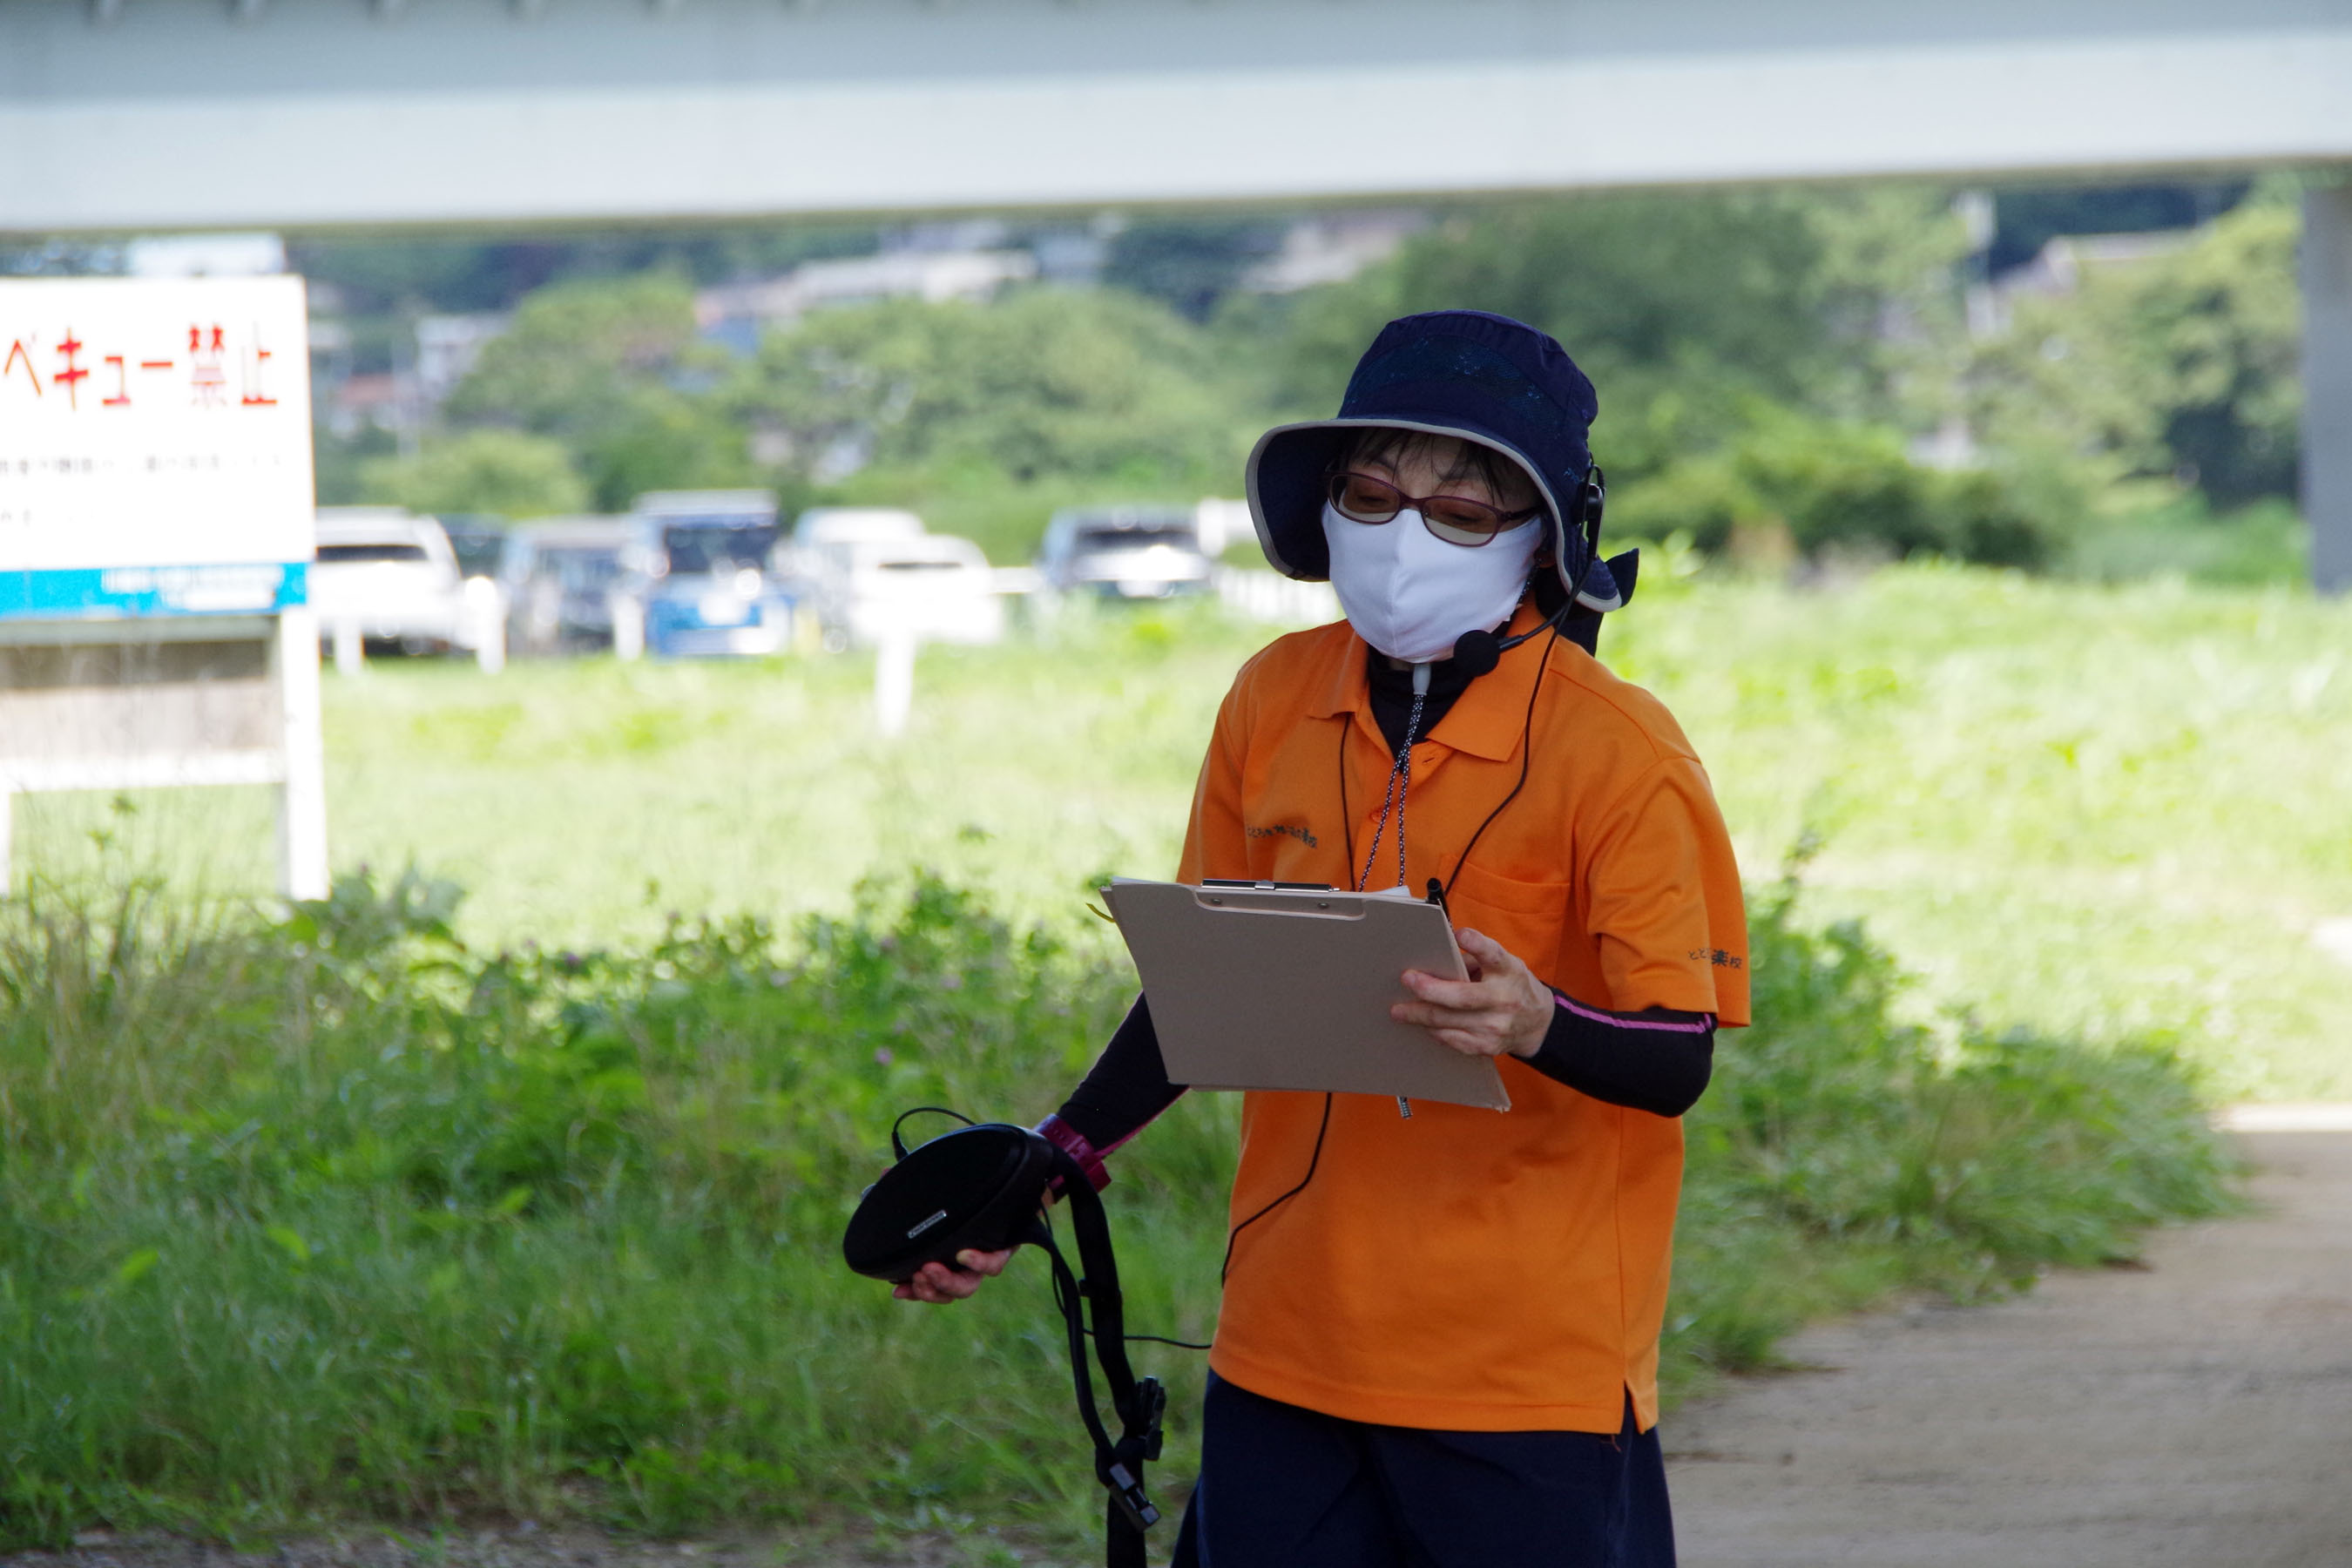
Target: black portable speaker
983,1187
979,1188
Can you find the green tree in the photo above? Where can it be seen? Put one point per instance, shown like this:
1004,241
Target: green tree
1849,485
1189,263
506,472
380,278
339,463
2183,364
1688,309
612,369
1043,384
573,349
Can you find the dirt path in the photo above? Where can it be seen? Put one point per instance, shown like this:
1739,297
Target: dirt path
2196,1412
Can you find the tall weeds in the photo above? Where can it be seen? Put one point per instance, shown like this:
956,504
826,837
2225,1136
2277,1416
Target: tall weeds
329,1216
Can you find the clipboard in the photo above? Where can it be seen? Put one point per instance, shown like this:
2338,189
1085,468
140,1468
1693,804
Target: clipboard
1285,985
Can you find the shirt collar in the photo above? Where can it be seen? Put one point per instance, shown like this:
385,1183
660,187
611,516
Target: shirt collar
1486,721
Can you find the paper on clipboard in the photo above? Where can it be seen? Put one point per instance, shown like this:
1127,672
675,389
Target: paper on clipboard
1270,985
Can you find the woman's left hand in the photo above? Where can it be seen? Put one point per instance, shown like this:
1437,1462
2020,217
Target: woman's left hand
1502,1007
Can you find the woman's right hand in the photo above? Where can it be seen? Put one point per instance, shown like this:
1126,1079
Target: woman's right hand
941,1285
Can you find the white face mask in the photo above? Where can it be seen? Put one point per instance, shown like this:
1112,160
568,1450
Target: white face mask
1411,595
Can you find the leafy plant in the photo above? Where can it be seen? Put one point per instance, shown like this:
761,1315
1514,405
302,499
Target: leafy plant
1832,487
330,1216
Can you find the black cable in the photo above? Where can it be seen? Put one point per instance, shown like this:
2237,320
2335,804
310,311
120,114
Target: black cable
898,1146
1139,1402
1347,831
1312,1161
1063,1306
1526,755
1067,1293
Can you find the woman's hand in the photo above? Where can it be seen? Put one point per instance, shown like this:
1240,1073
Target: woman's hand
940,1285
1501,1008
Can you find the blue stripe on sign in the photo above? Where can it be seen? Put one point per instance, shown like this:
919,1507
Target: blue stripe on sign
134,593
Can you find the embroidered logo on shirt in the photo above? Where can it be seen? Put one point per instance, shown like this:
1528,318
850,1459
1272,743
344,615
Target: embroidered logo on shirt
1282,830
1719,958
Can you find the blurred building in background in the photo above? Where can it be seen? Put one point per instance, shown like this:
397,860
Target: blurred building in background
175,114
736,314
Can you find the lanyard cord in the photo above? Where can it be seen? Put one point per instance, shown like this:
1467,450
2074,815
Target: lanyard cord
1399,791
1399,783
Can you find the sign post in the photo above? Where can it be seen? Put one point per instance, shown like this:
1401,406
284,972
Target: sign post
156,524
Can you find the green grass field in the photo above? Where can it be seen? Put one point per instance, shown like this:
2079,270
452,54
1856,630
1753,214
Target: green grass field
324,1220
349,1214
2104,812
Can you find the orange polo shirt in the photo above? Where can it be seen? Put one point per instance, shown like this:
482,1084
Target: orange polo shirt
1467,1269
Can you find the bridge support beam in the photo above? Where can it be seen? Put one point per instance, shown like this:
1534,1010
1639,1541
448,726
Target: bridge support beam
2328,383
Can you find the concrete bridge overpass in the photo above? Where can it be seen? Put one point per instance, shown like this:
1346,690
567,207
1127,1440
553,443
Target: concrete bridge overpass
309,114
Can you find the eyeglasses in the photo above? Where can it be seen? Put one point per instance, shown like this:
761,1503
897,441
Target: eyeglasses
1456,519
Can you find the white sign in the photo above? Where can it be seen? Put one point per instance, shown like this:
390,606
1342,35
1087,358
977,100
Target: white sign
154,446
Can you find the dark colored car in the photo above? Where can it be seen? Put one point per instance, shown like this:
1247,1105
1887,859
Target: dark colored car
1128,553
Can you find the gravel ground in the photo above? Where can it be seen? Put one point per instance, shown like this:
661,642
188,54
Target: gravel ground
2194,1410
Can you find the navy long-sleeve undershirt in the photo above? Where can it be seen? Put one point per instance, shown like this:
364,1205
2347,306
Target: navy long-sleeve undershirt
1656,1060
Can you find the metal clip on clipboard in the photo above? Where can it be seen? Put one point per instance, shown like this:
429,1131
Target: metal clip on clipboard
1288,985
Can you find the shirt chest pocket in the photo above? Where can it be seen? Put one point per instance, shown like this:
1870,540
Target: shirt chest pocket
1526,917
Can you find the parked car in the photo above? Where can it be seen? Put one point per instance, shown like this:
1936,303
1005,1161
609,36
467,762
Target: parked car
703,575
560,576
394,577
822,535
1130,552
480,541
820,555
825,527
937,586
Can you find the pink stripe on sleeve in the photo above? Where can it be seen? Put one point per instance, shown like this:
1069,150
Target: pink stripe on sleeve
1706,1021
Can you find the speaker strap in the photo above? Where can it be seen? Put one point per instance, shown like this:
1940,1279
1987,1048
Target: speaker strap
1139,1403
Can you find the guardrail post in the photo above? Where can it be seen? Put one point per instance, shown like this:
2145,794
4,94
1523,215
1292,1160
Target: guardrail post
488,608
894,677
302,791
628,627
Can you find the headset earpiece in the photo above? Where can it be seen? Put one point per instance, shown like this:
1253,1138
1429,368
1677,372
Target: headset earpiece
1591,500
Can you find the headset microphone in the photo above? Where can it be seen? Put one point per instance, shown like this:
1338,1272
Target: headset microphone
1476,653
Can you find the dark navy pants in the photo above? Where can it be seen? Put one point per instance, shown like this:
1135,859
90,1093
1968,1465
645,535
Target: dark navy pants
1286,1488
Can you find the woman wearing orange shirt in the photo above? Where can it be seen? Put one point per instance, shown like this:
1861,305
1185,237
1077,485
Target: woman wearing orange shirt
1438,1342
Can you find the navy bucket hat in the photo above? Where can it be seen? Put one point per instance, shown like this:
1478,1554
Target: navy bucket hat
1465,373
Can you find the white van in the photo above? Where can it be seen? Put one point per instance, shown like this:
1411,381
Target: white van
820,558
937,587
821,526
393,576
